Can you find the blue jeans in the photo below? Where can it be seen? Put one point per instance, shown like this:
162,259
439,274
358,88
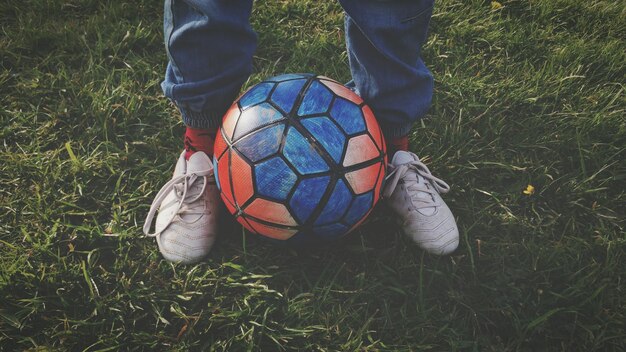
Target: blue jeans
210,44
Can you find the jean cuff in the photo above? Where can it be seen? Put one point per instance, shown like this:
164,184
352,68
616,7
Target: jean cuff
209,119
396,130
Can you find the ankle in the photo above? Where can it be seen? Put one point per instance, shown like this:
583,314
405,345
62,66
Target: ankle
199,140
396,144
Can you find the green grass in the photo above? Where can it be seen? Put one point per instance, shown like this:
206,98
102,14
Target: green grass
530,93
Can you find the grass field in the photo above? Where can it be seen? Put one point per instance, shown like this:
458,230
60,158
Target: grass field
528,92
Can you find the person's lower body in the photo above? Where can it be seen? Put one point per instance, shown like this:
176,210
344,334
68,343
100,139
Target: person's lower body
384,40
210,46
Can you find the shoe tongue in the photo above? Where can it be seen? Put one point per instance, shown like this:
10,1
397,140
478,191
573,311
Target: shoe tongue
401,157
198,161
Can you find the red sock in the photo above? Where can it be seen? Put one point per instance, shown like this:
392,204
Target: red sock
199,140
398,143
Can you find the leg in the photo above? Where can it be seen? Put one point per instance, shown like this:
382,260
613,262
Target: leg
383,39
209,46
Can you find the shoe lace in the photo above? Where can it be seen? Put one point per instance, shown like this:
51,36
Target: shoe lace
413,185
188,190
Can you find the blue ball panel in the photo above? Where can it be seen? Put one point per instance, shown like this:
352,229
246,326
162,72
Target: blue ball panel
256,95
274,179
336,206
307,196
327,134
286,93
261,143
288,76
348,115
301,155
254,118
316,100
361,205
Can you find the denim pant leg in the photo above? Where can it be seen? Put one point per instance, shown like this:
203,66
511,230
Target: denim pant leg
384,39
209,45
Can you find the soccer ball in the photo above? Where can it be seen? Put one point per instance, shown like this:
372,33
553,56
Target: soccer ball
301,158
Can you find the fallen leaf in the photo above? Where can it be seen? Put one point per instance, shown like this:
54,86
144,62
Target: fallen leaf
530,190
496,5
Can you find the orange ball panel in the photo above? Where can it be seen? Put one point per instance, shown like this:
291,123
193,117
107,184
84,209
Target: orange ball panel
363,180
270,211
230,120
241,174
224,176
270,231
379,183
220,145
372,126
360,148
341,90
245,224
229,206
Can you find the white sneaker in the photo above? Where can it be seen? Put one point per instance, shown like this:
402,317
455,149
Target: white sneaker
413,193
188,207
